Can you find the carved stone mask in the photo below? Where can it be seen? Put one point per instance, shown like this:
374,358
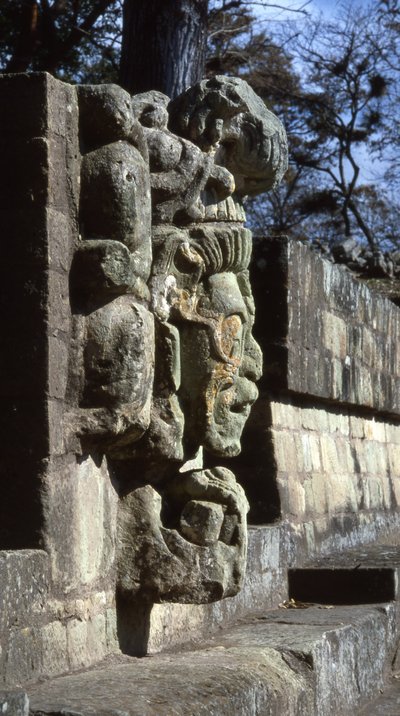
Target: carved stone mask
186,166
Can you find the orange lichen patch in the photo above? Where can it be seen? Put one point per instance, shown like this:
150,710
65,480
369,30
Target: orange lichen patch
231,338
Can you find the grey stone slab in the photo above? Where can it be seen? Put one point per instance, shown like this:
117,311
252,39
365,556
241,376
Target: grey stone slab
14,703
366,556
327,333
317,661
243,681
388,704
24,586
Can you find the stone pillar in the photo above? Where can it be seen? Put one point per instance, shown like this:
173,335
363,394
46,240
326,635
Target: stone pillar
38,228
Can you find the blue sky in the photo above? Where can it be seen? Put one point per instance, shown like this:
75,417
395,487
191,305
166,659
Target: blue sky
327,7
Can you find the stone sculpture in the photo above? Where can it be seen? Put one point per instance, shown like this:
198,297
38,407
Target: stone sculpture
166,364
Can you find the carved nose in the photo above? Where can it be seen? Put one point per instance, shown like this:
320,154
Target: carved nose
251,367
221,181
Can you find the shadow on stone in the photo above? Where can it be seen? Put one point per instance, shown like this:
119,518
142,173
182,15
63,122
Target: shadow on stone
133,626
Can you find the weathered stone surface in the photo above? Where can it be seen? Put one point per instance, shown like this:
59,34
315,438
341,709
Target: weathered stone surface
225,114
24,579
115,200
14,703
118,360
327,334
277,664
38,195
200,561
388,704
201,522
81,528
331,462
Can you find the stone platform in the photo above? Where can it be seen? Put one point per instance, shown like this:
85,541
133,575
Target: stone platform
388,704
320,660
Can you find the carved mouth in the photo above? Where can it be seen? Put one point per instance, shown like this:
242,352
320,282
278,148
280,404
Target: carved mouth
227,210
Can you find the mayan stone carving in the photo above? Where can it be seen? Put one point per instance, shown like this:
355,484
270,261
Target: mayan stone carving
165,363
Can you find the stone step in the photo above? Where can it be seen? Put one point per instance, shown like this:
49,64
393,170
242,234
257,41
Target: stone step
315,661
14,703
362,575
374,555
388,704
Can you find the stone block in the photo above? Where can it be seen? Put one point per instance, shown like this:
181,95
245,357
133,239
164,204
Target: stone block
38,216
81,523
357,426
394,458
55,411
77,644
59,303
63,235
294,506
97,637
350,359
285,450
330,460
111,630
359,456
24,656
55,652
395,485
316,501
341,493
373,494
24,579
334,334
306,453
14,703
315,452
392,432
58,365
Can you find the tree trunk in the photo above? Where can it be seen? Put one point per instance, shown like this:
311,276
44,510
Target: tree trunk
163,45
25,46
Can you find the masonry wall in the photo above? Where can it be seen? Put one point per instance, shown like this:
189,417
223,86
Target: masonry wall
321,452
57,509
320,455
331,396
323,333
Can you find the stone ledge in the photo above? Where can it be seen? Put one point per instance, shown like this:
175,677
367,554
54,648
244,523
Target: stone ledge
388,704
323,333
14,703
277,664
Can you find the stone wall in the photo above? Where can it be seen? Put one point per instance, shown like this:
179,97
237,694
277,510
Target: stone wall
331,392
320,455
57,511
322,470
336,472
324,333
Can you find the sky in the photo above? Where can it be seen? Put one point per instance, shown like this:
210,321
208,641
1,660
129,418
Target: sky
327,7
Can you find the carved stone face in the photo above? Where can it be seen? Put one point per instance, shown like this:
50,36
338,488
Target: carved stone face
220,362
164,247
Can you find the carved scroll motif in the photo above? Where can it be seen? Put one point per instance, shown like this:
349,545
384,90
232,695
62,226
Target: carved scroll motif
161,279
